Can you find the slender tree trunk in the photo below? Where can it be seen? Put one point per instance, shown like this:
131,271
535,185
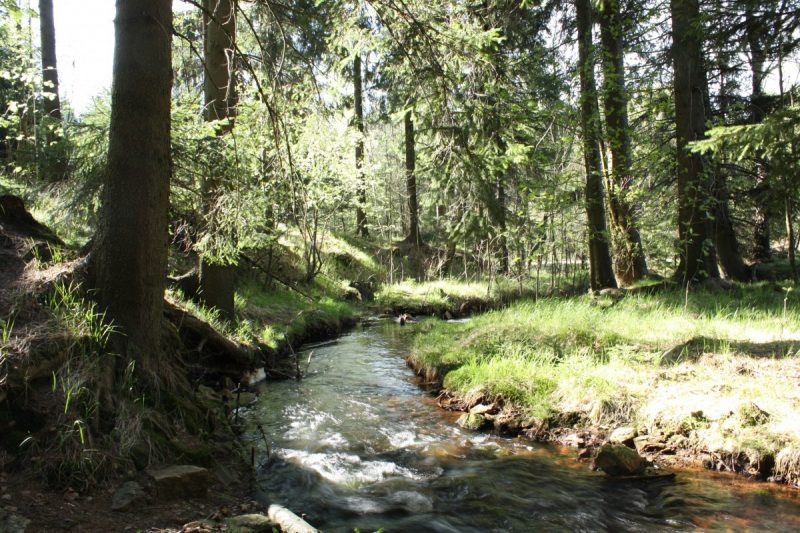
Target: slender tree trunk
754,32
629,257
217,279
51,106
411,180
601,273
358,88
128,265
696,249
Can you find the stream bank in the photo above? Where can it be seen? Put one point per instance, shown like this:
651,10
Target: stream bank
708,381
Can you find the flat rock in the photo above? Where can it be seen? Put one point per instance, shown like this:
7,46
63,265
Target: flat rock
472,421
616,460
179,481
649,443
249,523
481,409
623,435
127,495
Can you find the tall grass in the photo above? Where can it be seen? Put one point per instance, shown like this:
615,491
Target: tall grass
607,358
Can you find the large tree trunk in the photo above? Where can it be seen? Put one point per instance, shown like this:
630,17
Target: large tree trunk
219,89
696,250
629,257
51,106
411,181
358,88
754,31
601,273
128,265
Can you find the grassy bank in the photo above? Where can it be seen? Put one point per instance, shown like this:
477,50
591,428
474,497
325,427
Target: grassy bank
713,375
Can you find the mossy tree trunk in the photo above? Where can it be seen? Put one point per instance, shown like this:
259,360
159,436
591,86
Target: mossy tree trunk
219,89
629,258
128,264
601,273
697,257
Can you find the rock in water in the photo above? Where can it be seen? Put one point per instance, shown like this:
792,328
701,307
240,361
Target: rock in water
623,435
616,460
472,421
128,495
180,481
249,523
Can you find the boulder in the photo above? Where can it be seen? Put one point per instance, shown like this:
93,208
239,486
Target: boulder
180,481
128,495
249,523
472,421
616,460
623,435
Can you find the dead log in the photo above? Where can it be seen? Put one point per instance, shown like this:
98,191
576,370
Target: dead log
288,521
214,350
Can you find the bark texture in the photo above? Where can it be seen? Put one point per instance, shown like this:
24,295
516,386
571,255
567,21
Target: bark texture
629,258
358,88
601,273
219,90
411,180
51,106
129,261
696,250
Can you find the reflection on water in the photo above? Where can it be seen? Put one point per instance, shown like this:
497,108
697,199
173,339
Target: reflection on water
359,445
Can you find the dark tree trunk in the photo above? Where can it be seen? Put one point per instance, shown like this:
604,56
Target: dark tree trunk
411,181
629,258
128,265
754,32
727,245
696,249
51,106
501,222
358,87
601,273
217,278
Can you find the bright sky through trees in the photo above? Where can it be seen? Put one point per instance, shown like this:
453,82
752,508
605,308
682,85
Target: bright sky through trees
85,47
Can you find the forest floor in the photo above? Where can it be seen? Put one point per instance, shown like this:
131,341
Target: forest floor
707,377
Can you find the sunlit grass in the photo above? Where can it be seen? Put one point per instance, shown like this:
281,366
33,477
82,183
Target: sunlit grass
607,359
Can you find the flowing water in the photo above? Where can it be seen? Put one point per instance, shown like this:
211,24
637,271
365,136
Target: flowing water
359,444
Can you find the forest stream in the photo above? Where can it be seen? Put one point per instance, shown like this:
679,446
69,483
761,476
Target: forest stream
360,444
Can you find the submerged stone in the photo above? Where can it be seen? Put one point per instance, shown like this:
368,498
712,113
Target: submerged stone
617,460
12,523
